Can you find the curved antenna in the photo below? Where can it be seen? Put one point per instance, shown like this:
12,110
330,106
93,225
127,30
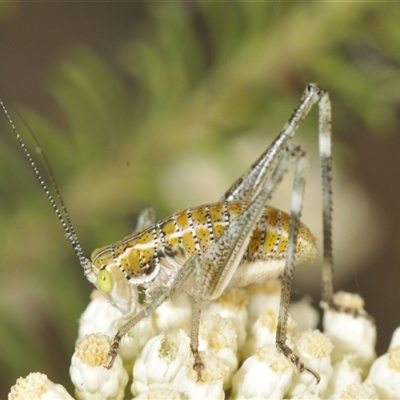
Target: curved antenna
62,214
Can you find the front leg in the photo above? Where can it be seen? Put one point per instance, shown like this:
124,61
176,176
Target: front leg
159,295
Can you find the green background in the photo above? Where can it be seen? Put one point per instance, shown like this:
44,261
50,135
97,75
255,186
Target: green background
165,104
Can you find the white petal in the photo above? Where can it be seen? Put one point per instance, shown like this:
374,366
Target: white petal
314,350
217,337
90,378
263,332
161,359
173,315
263,296
385,374
159,394
395,341
267,374
37,386
358,391
351,334
304,315
99,316
212,379
344,373
231,305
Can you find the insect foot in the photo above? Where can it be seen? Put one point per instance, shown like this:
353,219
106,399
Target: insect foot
301,367
198,365
348,303
113,352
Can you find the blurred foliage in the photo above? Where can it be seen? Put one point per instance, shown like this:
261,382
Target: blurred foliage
195,76
7,8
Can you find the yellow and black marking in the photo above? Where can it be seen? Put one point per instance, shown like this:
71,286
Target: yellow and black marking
195,229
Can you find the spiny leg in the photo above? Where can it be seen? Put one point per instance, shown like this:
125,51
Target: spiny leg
327,269
159,296
325,153
293,154
268,166
297,155
298,190
223,256
251,182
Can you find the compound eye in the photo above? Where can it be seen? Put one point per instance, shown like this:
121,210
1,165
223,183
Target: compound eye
104,281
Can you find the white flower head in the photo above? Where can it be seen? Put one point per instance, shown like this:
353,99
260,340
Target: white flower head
232,306
88,374
167,362
385,374
351,333
314,350
263,296
358,391
36,386
344,374
263,332
211,384
161,393
395,341
266,374
159,362
217,337
99,316
304,315
173,315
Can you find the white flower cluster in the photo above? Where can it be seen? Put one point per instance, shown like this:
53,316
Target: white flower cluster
237,347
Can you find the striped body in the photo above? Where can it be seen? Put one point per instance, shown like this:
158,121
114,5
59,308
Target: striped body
156,253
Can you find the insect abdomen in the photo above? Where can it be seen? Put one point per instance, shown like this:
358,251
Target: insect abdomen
196,228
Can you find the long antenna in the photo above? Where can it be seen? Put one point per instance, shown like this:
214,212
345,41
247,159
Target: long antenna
62,214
